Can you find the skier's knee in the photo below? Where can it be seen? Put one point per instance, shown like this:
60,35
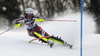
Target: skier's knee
31,34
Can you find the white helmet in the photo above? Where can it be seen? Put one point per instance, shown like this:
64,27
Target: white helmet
29,11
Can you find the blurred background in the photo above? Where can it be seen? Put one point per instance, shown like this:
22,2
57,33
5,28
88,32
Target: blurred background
94,8
12,9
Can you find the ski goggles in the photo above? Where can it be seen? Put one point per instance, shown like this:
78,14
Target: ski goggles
29,15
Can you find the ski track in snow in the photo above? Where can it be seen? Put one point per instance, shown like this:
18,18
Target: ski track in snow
16,43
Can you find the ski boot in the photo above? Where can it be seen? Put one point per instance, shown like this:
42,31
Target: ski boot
66,44
50,43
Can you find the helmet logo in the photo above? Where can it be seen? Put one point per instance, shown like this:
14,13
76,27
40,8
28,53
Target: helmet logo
29,11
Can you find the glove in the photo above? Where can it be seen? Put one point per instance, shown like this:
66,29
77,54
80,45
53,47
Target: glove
39,20
17,25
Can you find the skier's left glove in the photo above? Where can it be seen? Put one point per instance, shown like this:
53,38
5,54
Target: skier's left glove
39,20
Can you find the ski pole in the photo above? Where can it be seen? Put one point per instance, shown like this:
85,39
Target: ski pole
17,25
40,20
38,38
6,30
62,20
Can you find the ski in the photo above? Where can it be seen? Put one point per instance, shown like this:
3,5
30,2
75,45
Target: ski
38,38
66,44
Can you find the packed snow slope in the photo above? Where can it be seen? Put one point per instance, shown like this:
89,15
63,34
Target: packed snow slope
16,43
91,40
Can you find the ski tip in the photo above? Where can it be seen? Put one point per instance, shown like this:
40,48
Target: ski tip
71,46
29,41
51,45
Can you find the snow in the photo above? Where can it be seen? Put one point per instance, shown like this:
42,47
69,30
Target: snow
91,40
91,46
15,43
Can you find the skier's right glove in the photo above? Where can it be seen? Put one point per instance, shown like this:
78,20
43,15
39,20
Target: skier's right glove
17,25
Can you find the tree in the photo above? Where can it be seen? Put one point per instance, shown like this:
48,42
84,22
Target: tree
77,4
95,9
9,9
37,2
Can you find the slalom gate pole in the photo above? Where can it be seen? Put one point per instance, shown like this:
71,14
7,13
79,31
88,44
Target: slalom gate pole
63,20
38,38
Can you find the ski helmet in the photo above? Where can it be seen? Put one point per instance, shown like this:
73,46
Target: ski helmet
29,11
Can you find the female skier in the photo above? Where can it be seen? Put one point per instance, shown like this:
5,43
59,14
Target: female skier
36,31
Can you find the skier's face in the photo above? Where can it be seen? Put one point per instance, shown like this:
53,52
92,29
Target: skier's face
29,16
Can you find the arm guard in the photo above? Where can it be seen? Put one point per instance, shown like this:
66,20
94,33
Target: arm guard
15,21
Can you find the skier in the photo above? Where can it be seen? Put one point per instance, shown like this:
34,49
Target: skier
36,31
